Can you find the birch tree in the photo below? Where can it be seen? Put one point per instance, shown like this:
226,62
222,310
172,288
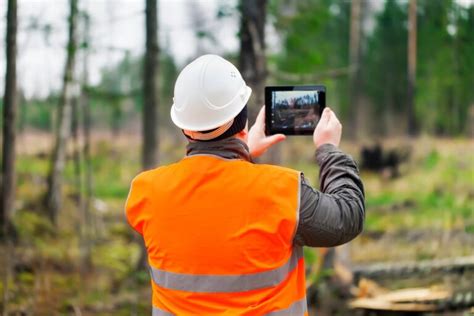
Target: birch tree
62,133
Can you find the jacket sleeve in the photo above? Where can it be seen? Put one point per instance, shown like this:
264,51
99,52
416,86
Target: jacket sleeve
137,201
334,215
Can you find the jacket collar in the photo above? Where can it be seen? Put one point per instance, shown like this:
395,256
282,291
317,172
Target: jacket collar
228,148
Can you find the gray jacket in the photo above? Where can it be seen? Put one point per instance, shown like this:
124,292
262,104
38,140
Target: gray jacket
328,218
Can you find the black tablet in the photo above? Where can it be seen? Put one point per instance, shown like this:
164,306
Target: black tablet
293,110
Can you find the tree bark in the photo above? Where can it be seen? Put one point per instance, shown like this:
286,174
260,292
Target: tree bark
9,121
150,88
86,217
8,151
150,98
411,89
354,64
252,59
55,181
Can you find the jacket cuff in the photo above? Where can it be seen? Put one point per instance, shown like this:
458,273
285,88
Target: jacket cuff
323,151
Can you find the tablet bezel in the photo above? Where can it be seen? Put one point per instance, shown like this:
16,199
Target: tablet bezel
269,129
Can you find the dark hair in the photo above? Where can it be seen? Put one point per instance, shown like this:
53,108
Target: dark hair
239,124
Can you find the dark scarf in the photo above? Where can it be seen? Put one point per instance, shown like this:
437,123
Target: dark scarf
228,148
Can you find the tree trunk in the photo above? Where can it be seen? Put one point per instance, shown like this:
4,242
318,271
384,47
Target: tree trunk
411,89
354,64
150,88
9,121
252,60
81,225
150,98
86,245
8,151
54,193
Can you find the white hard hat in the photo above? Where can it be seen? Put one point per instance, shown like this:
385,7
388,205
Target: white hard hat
208,93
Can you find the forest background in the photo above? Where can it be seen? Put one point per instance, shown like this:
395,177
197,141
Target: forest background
399,74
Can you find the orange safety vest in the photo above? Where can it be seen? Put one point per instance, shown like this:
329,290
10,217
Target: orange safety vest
219,235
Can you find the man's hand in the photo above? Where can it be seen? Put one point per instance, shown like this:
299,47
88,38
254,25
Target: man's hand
329,129
258,142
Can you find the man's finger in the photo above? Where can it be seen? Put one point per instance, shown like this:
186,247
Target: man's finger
261,116
272,140
326,115
333,119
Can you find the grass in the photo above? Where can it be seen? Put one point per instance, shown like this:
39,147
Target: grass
434,194
437,195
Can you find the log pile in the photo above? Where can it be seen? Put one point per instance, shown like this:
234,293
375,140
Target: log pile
370,296
413,300
434,299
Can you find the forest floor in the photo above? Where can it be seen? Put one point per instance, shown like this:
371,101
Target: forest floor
427,212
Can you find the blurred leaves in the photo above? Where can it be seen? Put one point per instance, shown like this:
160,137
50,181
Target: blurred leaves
315,38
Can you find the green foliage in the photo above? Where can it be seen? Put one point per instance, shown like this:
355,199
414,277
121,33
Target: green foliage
446,64
32,165
111,179
117,257
314,36
114,101
310,256
31,225
386,61
298,55
121,90
470,229
37,113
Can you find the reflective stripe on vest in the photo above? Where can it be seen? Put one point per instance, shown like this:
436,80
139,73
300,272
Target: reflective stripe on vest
160,312
226,283
298,308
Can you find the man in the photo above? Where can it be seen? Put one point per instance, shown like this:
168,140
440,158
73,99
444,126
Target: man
224,236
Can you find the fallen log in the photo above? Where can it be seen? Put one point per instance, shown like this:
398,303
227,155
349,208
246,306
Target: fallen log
416,295
376,304
405,269
417,300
